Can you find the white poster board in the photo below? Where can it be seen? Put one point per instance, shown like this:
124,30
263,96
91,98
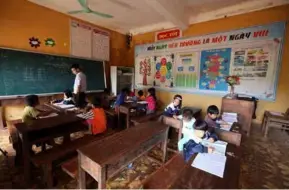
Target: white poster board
100,45
89,42
81,40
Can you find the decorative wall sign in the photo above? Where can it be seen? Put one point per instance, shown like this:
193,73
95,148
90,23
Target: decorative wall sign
34,42
168,34
50,42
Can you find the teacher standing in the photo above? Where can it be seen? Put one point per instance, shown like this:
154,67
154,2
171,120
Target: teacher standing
79,87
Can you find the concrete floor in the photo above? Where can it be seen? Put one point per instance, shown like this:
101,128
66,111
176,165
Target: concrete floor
265,164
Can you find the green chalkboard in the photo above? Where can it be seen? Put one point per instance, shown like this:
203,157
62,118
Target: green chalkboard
34,73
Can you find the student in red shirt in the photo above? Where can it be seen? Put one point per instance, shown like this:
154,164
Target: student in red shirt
96,117
151,100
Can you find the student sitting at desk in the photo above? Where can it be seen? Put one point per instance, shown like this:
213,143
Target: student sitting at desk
151,100
172,110
212,117
201,133
96,117
141,96
121,97
67,98
30,112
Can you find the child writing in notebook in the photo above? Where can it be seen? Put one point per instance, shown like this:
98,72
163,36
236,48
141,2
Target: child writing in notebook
201,134
212,117
173,109
96,117
67,98
151,99
30,112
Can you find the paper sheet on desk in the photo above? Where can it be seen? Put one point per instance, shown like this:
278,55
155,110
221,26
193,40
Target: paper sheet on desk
211,163
50,115
64,106
277,113
142,102
220,146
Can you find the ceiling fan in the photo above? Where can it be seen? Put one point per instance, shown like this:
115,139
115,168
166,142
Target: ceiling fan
86,9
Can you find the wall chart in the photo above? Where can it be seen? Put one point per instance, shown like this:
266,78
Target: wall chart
200,64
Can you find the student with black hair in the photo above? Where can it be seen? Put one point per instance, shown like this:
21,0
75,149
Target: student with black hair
30,112
173,109
67,98
79,87
196,145
212,116
151,99
141,96
121,97
96,117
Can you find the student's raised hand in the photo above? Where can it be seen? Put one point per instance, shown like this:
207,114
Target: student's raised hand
211,140
211,149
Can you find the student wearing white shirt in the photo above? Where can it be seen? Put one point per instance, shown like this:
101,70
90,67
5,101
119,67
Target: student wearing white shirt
79,87
187,129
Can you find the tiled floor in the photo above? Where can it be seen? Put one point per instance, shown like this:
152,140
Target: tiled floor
265,164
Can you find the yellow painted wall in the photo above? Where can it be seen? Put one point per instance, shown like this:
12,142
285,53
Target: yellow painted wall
20,20
221,25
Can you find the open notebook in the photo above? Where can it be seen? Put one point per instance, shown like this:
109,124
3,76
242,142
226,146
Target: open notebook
213,163
64,106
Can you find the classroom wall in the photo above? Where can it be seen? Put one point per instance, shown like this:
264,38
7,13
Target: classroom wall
221,25
20,20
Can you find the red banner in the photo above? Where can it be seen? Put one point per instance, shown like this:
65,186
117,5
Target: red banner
168,34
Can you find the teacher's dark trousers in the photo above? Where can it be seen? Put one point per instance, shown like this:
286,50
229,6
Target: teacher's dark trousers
80,99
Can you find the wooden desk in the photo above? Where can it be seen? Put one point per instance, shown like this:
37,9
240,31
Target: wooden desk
126,109
274,121
234,136
176,174
103,160
245,110
44,129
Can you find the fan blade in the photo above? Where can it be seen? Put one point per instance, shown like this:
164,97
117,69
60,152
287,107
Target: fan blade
76,12
83,3
102,14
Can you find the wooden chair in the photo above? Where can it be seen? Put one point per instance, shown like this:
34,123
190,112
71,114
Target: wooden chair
275,120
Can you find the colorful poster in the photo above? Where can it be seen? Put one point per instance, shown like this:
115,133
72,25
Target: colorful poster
215,65
257,70
163,71
144,71
186,70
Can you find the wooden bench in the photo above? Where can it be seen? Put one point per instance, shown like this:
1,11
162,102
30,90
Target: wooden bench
145,118
46,159
104,160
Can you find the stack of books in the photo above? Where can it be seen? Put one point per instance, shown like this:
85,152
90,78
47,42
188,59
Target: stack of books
228,118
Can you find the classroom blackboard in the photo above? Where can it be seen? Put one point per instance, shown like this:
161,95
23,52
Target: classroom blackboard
34,73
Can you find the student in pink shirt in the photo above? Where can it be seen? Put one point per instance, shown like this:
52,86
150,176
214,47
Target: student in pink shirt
151,100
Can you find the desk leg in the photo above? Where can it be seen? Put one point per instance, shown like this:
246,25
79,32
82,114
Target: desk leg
127,118
1,117
267,127
47,170
102,179
81,175
164,146
26,149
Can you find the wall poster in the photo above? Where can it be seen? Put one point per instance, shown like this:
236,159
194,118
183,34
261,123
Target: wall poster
200,64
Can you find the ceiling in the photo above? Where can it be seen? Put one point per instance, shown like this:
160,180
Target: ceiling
140,16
